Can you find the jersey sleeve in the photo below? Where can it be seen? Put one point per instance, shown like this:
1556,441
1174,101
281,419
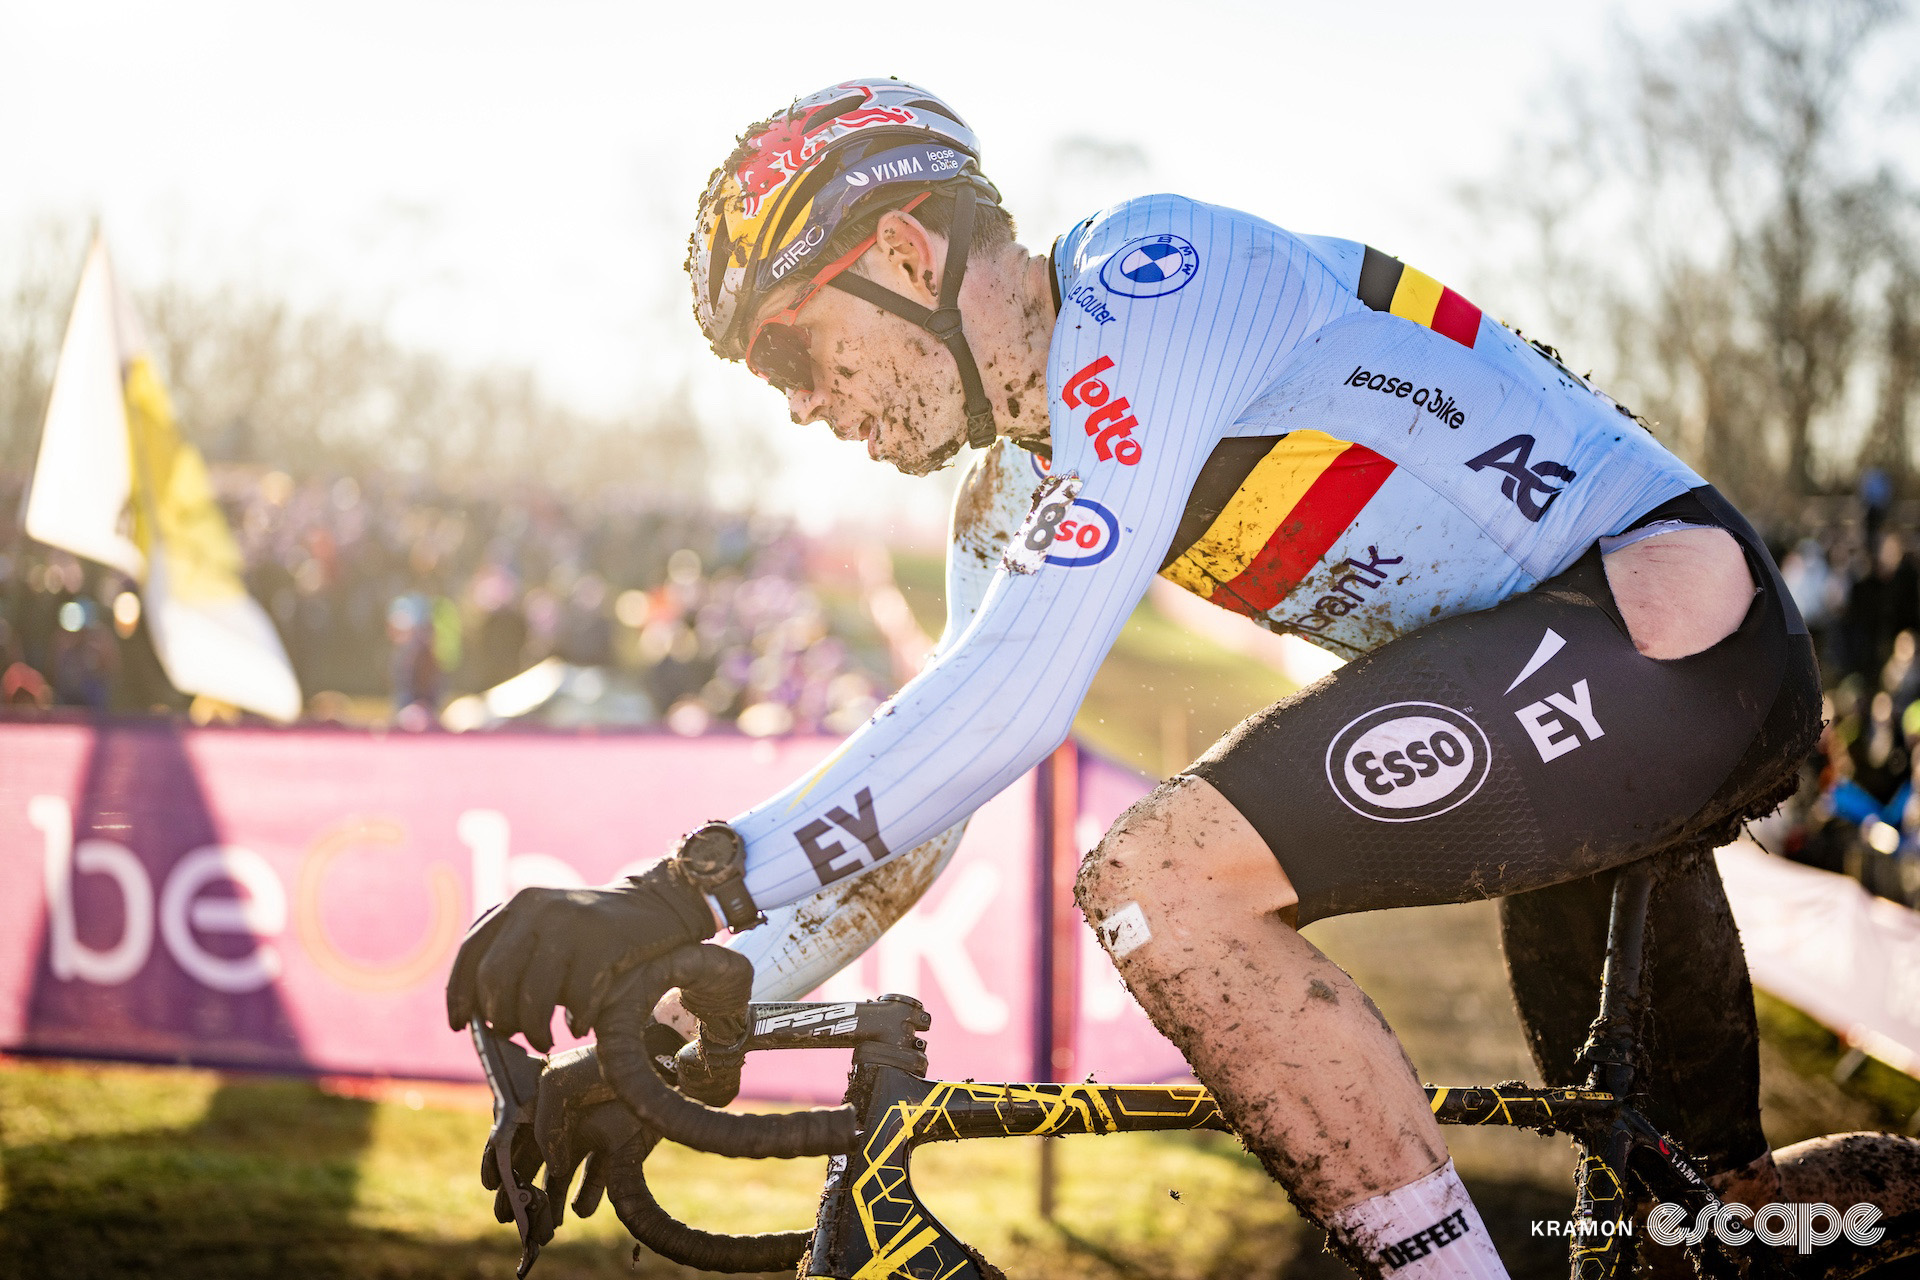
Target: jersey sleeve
1174,316
810,939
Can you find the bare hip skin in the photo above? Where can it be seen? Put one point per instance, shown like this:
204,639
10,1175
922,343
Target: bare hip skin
1197,914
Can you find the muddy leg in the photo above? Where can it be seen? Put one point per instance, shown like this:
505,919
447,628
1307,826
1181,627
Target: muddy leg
1192,906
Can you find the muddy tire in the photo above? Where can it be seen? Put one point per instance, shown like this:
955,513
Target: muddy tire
1844,1169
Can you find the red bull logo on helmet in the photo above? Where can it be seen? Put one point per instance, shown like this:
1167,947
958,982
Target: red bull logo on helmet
780,150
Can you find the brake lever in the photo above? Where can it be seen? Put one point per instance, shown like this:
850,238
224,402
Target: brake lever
513,1075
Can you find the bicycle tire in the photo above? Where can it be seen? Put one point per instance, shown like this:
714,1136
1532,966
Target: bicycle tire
1843,1169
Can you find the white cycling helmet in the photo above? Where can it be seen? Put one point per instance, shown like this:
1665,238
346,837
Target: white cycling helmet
775,212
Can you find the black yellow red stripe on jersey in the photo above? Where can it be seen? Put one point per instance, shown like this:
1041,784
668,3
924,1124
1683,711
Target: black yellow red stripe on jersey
1265,511
1390,285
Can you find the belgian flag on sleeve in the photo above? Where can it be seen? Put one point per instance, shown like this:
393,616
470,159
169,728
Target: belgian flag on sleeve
1390,285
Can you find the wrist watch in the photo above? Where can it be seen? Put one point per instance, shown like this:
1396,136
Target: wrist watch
714,858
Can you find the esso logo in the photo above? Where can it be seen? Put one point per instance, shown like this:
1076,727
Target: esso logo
1087,536
1407,761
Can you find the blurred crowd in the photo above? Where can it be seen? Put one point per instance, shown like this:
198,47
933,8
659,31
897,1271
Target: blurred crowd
1856,811
402,603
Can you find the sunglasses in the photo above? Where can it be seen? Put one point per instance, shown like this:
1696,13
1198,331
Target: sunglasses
780,351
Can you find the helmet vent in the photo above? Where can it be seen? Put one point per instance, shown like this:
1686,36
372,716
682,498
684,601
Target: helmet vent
940,109
833,111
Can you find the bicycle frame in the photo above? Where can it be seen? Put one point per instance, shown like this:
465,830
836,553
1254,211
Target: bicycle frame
871,1224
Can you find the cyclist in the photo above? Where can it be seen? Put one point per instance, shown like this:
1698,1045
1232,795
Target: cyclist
1568,652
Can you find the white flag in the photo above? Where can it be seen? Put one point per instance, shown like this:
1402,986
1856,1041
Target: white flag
116,483
81,500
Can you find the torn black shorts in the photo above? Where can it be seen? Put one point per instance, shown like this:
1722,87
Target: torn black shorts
1528,750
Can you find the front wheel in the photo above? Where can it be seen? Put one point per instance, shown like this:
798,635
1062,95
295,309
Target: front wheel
1845,1169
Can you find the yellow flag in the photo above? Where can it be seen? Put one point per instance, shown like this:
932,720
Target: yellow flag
171,489
112,464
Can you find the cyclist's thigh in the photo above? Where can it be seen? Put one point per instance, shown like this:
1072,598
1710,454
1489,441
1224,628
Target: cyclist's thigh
1700,1062
1506,750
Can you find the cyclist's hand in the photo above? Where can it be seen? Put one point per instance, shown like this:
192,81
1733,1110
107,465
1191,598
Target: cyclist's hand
579,1127
552,947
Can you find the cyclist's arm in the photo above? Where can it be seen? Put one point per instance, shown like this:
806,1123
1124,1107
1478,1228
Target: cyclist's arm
1005,694
806,942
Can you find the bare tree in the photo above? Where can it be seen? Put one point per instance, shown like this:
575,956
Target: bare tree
33,315
255,380
1708,218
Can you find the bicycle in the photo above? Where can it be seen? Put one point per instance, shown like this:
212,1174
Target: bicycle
871,1225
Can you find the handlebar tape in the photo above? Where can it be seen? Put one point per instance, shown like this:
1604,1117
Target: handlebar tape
661,1232
701,971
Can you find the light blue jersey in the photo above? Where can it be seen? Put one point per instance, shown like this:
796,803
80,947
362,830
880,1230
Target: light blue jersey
1299,429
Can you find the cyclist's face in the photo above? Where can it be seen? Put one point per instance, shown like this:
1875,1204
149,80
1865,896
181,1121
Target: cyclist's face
876,377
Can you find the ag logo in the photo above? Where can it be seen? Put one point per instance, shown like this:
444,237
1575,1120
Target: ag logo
1150,267
1528,487
1407,761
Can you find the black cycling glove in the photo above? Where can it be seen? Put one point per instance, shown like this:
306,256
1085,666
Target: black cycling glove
577,1126
552,947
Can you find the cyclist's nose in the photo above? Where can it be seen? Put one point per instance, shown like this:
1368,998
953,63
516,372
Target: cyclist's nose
806,406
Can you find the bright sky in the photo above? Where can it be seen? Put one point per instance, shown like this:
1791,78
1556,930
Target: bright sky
516,181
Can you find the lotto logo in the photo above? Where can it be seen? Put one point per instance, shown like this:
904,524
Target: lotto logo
1407,761
1110,425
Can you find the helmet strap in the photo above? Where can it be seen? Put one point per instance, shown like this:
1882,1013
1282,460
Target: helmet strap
942,322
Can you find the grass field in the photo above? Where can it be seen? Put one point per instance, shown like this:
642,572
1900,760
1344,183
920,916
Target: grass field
128,1171
131,1171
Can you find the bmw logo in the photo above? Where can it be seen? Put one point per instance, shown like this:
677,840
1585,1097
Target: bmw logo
1150,267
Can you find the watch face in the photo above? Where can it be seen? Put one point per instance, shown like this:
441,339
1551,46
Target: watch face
713,853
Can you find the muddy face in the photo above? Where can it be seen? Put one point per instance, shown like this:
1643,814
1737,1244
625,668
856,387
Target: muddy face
883,381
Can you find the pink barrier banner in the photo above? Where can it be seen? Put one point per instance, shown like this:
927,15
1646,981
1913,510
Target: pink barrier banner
291,899
1825,945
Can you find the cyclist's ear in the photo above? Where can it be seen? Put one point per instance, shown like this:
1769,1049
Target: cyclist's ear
911,256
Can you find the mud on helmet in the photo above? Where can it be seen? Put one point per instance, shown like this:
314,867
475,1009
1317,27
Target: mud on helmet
775,211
